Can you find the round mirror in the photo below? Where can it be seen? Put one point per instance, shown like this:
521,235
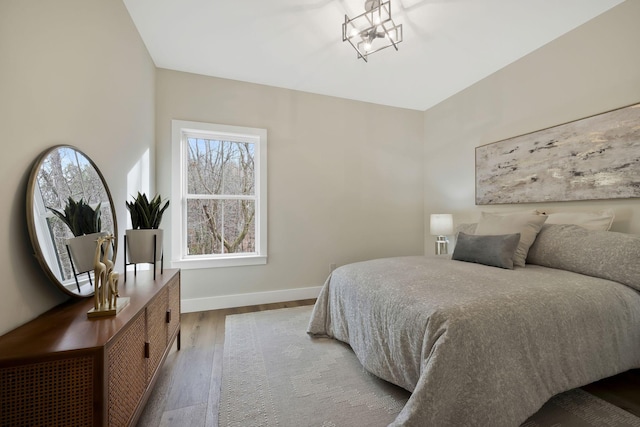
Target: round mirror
68,207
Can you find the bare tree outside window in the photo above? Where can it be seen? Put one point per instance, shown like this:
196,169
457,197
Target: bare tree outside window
220,215
221,200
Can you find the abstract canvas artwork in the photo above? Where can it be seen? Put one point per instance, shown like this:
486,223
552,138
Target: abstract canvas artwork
597,157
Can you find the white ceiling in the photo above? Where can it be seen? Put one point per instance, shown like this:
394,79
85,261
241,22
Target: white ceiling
297,44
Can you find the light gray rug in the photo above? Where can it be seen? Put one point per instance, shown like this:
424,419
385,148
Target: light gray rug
274,374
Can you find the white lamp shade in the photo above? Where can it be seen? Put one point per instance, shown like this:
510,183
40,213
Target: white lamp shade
441,224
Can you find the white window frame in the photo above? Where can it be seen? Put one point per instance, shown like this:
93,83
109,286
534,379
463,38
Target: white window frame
179,130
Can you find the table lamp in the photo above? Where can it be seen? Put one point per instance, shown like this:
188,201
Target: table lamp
441,226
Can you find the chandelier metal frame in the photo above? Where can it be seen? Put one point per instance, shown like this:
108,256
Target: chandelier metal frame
373,30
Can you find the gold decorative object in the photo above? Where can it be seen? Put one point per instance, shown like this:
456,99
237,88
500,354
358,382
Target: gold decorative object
107,302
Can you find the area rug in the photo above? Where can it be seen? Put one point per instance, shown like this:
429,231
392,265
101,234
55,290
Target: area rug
274,374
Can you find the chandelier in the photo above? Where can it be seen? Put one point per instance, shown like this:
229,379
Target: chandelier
372,31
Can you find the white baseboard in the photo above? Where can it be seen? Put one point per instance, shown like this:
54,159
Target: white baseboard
241,300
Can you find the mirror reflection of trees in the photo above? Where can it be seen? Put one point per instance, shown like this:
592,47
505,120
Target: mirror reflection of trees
221,203
67,173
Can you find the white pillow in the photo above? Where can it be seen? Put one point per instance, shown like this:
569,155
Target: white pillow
590,220
527,224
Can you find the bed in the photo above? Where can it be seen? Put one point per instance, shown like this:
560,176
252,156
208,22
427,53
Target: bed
484,346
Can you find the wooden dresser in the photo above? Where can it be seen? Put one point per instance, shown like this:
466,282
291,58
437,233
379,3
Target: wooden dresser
63,369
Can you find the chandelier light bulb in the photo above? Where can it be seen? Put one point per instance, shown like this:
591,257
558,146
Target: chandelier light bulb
367,47
354,32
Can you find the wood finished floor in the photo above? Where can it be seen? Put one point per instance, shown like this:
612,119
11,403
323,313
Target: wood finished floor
188,389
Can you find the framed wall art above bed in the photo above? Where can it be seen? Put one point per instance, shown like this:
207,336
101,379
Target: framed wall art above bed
597,157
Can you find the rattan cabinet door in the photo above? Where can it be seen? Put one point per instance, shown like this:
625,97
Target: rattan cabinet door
126,364
54,393
157,331
174,307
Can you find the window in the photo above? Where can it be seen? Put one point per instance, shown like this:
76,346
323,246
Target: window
219,195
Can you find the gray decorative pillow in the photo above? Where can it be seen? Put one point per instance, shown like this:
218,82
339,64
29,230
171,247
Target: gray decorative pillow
496,251
605,254
525,223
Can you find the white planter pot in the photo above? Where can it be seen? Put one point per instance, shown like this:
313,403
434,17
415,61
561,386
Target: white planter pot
83,251
140,245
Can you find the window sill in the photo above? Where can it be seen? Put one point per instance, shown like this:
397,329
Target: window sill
236,261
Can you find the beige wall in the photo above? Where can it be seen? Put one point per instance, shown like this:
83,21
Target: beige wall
592,69
344,180
73,72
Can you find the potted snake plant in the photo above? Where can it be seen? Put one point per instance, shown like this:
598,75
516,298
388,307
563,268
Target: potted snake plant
85,224
146,216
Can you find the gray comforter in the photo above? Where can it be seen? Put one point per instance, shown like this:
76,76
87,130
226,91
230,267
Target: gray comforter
478,345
